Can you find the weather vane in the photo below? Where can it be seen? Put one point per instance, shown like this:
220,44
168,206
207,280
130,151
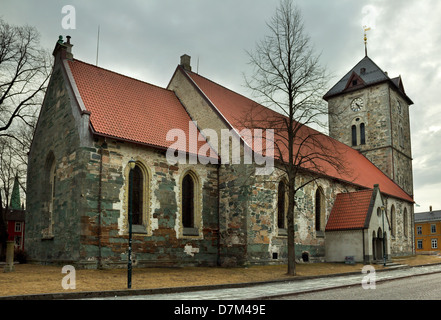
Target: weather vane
365,39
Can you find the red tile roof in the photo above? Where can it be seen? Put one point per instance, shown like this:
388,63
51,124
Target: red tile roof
358,169
129,109
350,211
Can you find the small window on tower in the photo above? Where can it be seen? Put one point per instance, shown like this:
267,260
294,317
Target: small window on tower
354,135
362,134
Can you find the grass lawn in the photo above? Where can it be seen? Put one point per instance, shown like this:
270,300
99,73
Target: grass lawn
36,279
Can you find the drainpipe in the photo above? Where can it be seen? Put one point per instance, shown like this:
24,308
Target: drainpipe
364,250
218,218
104,144
391,138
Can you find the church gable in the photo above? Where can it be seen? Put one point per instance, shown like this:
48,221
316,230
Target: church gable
56,163
354,82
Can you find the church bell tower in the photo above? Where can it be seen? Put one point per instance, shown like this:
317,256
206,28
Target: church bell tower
370,112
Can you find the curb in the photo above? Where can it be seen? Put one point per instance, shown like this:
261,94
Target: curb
134,292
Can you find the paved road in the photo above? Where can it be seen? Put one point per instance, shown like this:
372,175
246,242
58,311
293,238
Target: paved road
278,290
424,287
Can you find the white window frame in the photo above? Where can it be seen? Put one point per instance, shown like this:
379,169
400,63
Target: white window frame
17,227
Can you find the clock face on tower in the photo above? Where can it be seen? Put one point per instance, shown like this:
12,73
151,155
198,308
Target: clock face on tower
357,104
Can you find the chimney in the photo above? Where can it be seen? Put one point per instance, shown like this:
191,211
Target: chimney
64,48
430,208
185,62
69,46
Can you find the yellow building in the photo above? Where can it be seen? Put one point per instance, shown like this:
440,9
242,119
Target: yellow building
428,231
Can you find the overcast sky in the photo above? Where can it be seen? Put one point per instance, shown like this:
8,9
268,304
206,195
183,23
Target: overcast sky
144,40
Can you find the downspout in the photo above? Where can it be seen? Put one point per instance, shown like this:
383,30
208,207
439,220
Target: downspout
391,136
218,218
364,250
100,265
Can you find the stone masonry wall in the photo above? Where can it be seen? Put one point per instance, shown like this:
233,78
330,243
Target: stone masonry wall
386,117
56,134
267,246
160,241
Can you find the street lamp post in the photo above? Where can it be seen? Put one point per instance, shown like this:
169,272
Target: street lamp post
132,164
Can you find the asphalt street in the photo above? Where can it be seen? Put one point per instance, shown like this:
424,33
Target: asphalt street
423,287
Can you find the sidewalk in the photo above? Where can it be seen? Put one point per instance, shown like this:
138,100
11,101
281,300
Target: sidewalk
279,289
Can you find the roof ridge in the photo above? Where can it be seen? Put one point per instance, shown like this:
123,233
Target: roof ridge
259,104
220,85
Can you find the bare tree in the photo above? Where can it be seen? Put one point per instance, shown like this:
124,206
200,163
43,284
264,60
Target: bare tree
287,78
24,73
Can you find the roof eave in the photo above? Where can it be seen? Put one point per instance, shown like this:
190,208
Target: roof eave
328,96
145,144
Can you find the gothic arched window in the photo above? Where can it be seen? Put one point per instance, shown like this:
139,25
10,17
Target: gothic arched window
319,209
137,195
354,135
405,222
49,191
362,134
188,195
392,220
281,199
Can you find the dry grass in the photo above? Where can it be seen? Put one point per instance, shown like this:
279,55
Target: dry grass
36,279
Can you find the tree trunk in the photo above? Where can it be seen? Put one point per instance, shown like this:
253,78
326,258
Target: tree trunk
290,213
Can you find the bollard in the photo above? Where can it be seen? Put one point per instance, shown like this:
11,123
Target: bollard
9,256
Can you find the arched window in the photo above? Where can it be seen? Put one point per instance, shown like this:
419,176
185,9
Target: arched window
354,135
319,210
405,222
137,195
401,136
49,192
281,199
188,201
392,220
362,134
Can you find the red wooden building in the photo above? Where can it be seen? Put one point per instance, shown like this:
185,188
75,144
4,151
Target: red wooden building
15,220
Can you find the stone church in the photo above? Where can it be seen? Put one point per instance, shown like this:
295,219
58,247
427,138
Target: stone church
94,123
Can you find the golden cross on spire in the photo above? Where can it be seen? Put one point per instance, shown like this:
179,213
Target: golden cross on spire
365,39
